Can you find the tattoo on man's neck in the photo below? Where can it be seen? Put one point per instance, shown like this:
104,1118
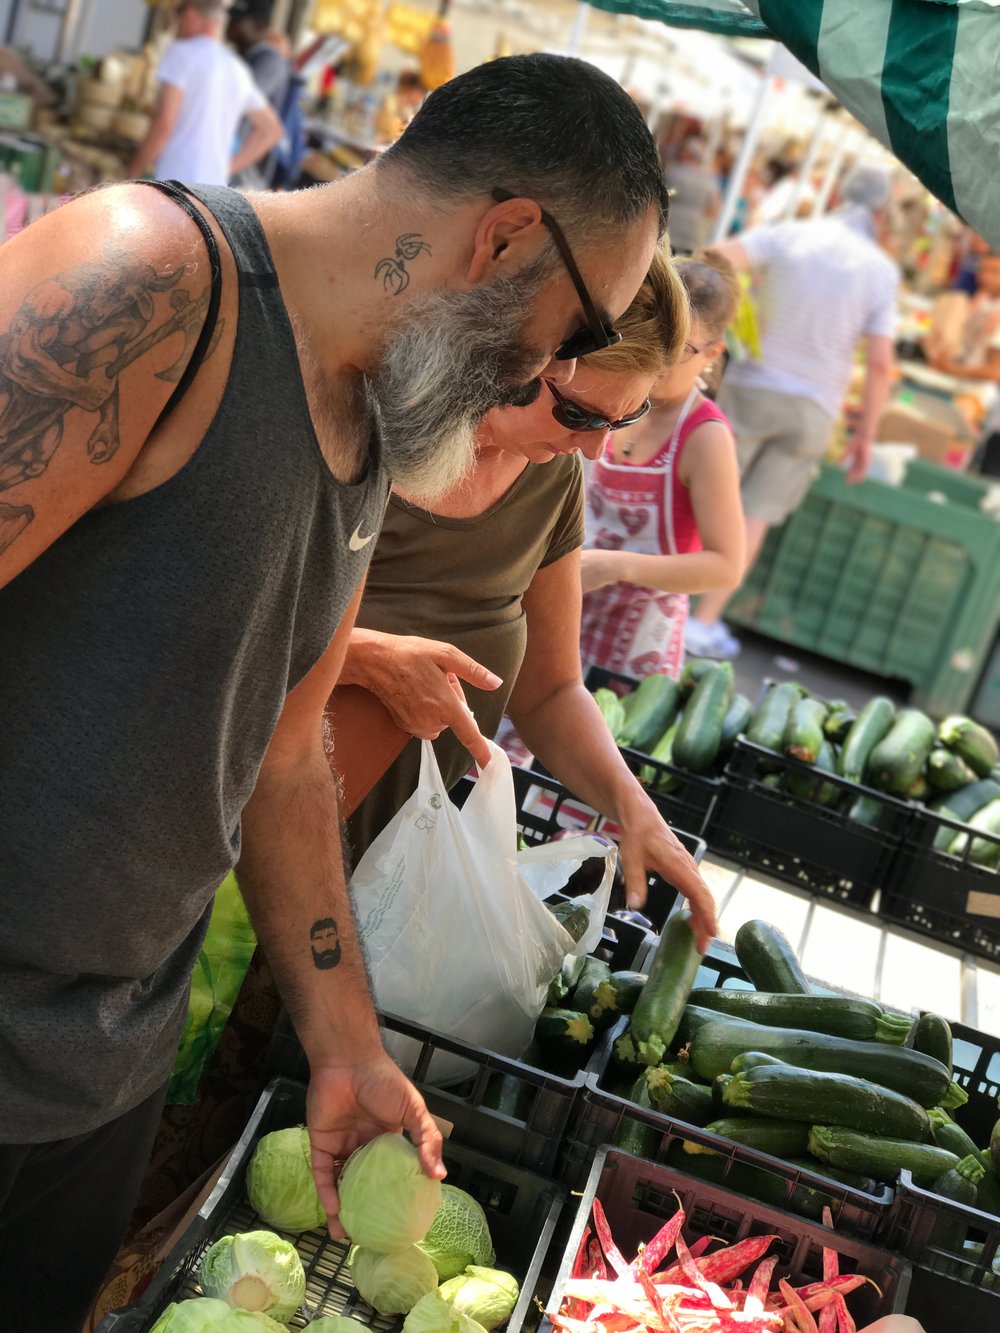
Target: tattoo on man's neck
325,943
393,272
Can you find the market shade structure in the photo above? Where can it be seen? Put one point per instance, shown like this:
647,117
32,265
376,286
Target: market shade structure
923,76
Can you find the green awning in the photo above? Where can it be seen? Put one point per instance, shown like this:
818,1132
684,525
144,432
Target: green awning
923,76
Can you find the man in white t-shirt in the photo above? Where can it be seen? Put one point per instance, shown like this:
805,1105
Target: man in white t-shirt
821,286
206,93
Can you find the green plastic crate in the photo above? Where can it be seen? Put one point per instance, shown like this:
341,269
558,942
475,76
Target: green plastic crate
884,579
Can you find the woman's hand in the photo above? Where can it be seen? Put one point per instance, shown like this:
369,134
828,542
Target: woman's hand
599,568
648,844
418,681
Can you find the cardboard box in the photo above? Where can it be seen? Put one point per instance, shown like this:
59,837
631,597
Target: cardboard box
933,440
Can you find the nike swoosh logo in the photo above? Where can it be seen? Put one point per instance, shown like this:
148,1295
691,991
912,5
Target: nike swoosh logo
357,542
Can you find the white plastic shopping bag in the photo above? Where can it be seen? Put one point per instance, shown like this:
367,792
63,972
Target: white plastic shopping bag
455,937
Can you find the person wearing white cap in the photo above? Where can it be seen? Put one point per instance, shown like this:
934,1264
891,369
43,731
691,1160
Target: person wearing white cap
821,286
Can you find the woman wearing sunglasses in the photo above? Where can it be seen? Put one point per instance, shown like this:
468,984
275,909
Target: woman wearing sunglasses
486,590
663,503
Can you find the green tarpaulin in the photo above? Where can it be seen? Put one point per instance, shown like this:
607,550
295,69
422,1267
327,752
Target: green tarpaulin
923,76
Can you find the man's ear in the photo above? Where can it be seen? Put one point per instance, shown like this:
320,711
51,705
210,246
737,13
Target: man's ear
506,236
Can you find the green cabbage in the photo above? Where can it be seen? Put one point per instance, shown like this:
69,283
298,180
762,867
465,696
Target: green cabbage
280,1183
256,1270
433,1315
392,1283
335,1323
204,1315
487,1295
386,1201
459,1235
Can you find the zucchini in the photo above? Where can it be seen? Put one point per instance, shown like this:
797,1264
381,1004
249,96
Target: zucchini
716,1045
770,717
663,753
839,1016
769,960
717,1090
932,1035
753,1060
897,760
649,711
828,793
919,789
700,732
882,1158
780,1138
981,851
694,1016
660,1006
868,728
509,1095
838,1099
588,997
627,987
866,810
959,1184
612,710
948,771
961,805
946,1134
679,1097
803,734
973,742
989,1189
735,723
839,722
854,1179
564,1030
574,917
695,669
632,1135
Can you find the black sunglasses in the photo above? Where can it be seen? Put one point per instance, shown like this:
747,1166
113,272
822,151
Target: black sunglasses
576,417
597,335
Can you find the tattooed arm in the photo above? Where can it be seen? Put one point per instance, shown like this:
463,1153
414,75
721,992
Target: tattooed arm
100,304
292,875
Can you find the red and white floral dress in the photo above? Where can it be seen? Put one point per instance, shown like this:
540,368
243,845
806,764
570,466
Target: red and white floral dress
645,508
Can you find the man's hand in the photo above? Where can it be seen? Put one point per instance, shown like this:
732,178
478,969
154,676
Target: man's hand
349,1104
418,680
648,844
858,458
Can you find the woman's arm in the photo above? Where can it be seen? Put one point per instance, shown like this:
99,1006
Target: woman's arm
562,725
710,472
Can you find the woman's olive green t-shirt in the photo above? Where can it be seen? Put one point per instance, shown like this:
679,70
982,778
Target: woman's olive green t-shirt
461,580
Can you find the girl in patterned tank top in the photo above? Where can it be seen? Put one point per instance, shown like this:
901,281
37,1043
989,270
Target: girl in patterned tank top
663,503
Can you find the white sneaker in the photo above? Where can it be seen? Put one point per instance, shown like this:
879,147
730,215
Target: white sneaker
715,640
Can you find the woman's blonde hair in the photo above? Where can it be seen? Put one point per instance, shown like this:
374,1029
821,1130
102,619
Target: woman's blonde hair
654,328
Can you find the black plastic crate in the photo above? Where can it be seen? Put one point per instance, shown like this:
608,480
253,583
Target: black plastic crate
689,802
814,847
936,1300
538,1105
953,1241
638,1196
522,1212
976,1064
945,896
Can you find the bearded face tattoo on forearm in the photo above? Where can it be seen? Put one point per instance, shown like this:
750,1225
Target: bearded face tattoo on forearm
325,942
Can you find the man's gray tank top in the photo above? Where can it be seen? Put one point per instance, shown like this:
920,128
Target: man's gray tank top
144,660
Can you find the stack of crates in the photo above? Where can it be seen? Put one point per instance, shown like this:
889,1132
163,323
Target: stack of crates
885,579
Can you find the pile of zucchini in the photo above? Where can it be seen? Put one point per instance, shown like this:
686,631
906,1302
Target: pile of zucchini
693,724
839,1086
